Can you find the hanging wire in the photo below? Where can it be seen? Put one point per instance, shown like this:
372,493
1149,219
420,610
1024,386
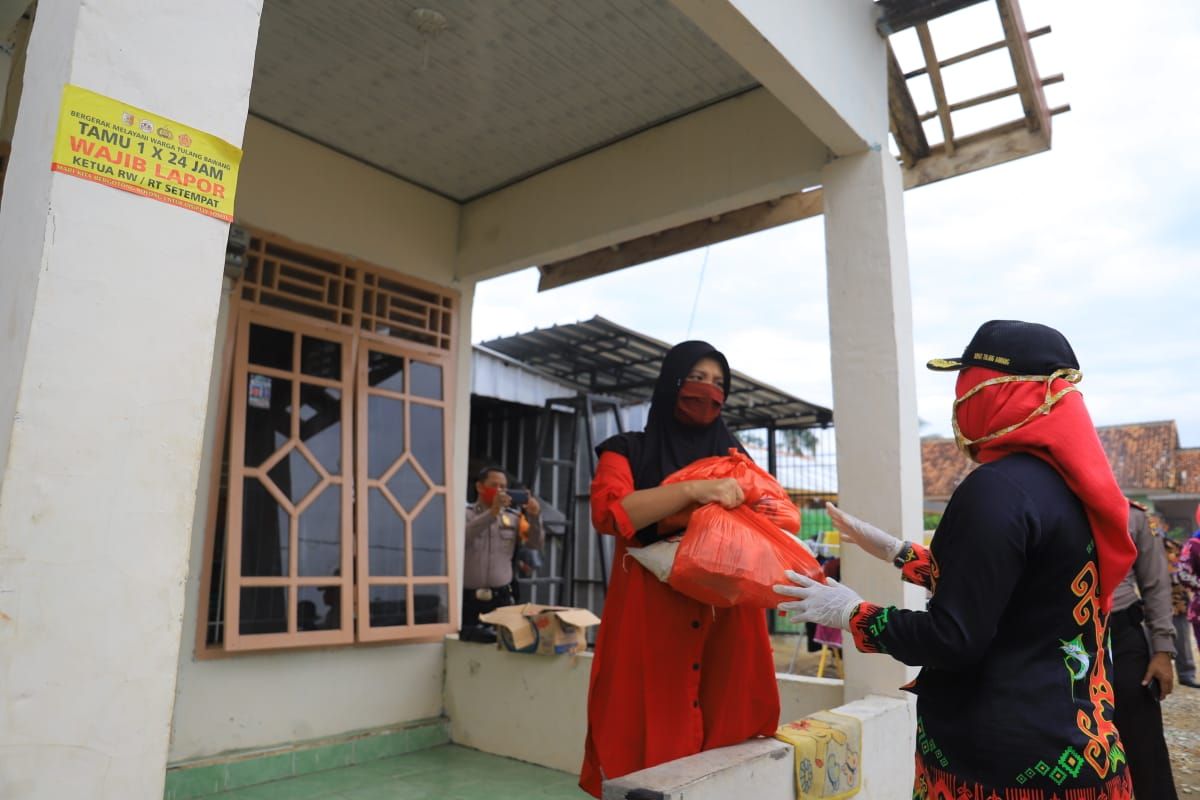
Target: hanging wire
699,286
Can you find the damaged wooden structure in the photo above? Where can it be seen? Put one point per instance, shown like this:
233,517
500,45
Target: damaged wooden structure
923,162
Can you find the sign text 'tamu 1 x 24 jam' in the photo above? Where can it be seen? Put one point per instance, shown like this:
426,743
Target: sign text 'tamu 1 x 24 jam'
104,140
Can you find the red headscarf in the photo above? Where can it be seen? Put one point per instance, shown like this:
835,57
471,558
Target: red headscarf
1066,440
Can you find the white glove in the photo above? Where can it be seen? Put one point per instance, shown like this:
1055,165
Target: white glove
829,603
878,543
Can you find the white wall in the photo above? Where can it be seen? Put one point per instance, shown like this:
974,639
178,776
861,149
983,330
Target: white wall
534,708
107,303
823,60
316,197
742,151
299,189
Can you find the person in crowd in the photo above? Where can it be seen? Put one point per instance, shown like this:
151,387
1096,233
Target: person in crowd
671,676
1189,576
1015,695
1142,674
493,532
1185,656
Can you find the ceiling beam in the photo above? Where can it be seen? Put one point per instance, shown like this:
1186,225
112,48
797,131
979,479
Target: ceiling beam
822,60
751,219
972,153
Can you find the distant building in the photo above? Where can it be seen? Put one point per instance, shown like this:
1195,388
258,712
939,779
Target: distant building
1146,459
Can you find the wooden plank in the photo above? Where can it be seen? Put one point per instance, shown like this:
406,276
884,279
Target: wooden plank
980,151
899,15
939,89
1037,115
902,111
990,96
978,51
681,239
973,153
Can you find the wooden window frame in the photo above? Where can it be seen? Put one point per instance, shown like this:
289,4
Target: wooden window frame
363,391
408,317
234,640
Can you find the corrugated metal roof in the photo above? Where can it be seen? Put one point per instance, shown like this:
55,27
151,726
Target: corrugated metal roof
605,358
505,378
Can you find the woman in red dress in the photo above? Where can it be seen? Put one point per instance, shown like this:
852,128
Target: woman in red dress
671,676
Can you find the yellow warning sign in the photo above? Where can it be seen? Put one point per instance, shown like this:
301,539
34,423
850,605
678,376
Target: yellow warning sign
104,140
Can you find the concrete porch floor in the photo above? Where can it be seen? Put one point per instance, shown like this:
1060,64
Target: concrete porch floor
440,773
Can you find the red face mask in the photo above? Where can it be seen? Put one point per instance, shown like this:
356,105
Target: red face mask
699,404
487,495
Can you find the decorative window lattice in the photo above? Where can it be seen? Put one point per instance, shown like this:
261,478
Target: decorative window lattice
283,276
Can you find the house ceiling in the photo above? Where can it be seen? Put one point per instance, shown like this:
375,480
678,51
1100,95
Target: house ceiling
507,89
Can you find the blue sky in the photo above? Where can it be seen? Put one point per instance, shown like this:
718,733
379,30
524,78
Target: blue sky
1100,238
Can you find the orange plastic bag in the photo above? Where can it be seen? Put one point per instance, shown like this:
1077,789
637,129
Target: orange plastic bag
763,493
736,556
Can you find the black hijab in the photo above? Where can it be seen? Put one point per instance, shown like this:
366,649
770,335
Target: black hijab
668,445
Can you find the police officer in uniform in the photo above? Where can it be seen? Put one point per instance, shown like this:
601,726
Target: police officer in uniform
1142,673
493,533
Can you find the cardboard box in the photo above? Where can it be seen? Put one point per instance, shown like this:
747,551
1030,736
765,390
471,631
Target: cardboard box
543,630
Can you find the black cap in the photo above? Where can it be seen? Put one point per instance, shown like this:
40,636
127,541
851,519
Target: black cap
1007,345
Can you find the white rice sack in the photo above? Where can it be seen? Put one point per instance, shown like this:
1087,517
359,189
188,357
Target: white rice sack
658,557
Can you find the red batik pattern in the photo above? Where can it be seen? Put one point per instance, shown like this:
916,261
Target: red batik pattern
932,783
1103,751
917,565
867,624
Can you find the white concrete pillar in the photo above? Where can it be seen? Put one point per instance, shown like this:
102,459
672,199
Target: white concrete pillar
108,303
874,395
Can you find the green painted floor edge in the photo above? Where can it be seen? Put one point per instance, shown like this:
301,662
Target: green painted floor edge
448,772
241,770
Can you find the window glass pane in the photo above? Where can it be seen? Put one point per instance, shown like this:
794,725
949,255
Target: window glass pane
407,486
320,357
431,604
320,538
385,371
271,347
322,433
265,531
215,629
294,476
429,539
385,434
426,380
268,416
263,610
427,441
388,606
385,537
320,608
